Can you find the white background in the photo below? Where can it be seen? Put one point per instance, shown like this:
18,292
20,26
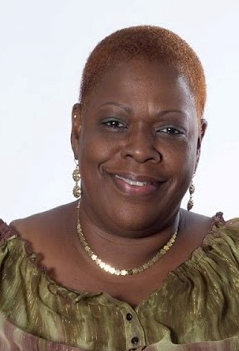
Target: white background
43,47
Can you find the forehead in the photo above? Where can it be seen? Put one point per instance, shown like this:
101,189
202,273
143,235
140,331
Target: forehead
143,81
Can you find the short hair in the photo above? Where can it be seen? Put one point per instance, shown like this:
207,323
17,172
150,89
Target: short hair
145,42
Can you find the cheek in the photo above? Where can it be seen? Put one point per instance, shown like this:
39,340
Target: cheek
180,170
180,162
93,152
181,152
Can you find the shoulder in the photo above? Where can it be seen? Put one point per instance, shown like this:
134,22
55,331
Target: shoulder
227,230
195,222
222,239
42,226
232,223
191,220
199,230
203,224
5,232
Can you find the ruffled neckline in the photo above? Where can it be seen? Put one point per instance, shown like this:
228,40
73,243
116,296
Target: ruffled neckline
9,233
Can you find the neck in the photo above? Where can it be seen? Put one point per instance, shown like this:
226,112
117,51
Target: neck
124,252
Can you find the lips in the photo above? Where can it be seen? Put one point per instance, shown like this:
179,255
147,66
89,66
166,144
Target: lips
133,185
132,182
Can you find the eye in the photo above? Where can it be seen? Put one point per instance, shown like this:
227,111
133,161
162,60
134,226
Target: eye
169,130
114,124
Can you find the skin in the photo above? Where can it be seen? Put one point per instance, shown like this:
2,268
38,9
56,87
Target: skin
127,120
140,125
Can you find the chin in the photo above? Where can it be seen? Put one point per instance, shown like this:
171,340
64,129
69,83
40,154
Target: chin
135,223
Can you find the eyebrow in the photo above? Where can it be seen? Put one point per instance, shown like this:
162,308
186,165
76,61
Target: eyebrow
164,112
159,114
127,109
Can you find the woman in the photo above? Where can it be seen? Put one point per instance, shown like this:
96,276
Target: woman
125,268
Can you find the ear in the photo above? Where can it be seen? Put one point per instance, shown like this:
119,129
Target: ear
76,121
202,130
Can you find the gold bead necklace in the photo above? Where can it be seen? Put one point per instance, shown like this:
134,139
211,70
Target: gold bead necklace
122,272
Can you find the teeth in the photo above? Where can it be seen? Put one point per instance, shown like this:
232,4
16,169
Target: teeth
132,182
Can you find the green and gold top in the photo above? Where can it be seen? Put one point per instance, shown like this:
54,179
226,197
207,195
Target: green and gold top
196,309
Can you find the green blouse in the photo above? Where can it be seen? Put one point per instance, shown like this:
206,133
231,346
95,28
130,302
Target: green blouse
196,309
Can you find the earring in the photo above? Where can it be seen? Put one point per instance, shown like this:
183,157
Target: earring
190,201
76,177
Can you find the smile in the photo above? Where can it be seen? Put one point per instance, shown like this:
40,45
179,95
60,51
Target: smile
135,185
132,182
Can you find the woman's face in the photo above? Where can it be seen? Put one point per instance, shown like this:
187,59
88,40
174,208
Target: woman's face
138,144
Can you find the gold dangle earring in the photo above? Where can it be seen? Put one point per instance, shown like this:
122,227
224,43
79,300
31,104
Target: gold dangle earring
191,192
77,178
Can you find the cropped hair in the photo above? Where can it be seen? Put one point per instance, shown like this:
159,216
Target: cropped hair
150,43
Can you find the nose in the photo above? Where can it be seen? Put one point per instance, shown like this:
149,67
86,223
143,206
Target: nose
140,146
